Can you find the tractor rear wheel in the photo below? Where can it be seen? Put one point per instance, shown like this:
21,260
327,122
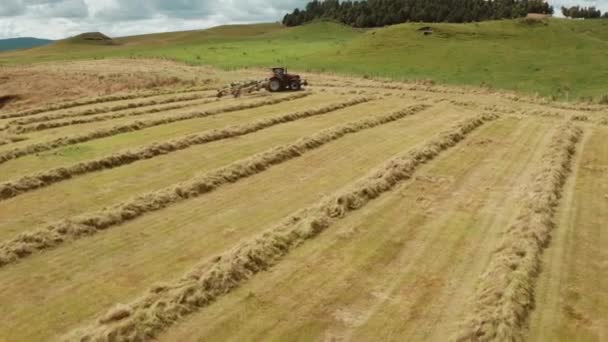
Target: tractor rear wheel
274,85
295,85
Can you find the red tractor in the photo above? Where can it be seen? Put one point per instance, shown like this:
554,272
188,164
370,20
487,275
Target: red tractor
280,80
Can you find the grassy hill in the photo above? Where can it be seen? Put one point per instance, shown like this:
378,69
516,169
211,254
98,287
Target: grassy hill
22,43
93,38
561,58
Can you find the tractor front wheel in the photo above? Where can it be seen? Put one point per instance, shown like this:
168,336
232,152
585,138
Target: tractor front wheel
295,85
274,85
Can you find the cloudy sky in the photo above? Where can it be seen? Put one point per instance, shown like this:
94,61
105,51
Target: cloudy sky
55,19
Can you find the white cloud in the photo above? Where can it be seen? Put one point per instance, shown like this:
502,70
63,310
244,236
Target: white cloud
10,8
600,4
58,19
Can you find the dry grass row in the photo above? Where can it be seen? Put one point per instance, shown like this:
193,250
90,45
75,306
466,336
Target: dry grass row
360,86
165,304
505,293
89,224
42,179
580,117
495,108
424,86
9,139
90,119
580,105
136,126
544,113
102,99
108,109
430,87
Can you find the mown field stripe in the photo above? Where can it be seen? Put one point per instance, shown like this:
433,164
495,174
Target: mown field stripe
137,126
21,129
437,89
16,187
505,294
428,88
89,224
165,304
103,99
106,109
12,139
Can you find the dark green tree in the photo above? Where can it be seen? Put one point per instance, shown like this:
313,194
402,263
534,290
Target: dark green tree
373,13
581,12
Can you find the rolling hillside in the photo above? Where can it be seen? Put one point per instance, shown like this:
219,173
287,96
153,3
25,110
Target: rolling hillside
560,58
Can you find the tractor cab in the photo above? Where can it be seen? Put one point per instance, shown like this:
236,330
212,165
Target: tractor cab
279,72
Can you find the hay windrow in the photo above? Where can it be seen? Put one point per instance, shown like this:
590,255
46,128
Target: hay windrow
108,109
9,139
505,293
581,118
89,224
136,126
90,119
102,99
431,87
576,107
165,304
42,179
428,87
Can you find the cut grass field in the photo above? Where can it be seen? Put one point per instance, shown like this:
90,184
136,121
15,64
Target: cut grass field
573,304
566,59
354,210
385,262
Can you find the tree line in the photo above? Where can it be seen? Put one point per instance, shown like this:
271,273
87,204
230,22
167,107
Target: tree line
583,12
375,13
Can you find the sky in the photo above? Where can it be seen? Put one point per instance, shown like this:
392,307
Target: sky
57,19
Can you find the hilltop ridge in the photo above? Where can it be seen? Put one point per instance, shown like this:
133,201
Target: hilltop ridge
97,38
